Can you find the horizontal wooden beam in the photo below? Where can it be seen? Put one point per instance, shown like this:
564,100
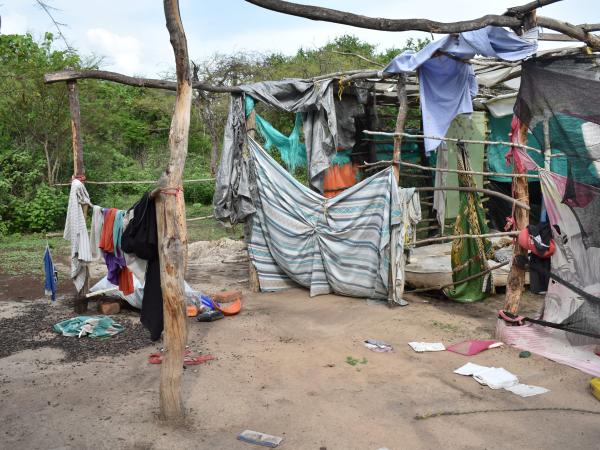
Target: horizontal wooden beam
513,18
474,190
69,75
556,37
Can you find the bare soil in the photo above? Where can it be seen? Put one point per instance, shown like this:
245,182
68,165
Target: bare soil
281,369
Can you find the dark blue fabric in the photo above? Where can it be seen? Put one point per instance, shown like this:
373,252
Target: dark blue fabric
50,278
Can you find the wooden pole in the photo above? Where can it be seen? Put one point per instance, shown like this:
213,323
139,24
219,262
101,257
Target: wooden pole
516,277
252,273
393,289
400,120
172,231
547,148
81,302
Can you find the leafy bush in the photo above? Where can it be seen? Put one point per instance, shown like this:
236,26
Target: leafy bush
200,192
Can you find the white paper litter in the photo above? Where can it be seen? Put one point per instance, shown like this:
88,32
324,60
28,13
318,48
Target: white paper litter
469,369
427,346
525,390
499,378
496,378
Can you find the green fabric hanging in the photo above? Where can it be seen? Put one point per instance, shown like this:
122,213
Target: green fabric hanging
292,151
469,255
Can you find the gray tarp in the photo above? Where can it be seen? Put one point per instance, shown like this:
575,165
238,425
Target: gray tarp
316,101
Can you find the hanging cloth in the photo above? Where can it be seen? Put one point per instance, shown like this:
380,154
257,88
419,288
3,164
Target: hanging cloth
50,280
469,255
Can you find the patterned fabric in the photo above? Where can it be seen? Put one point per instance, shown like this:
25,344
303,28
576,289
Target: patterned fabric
469,255
337,245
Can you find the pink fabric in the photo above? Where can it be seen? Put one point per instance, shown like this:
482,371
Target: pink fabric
551,344
470,348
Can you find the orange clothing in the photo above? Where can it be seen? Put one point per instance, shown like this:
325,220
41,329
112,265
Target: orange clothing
126,281
106,235
338,178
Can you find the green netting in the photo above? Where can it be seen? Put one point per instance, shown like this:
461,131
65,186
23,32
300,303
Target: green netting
342,157
583,170
292,151
385,150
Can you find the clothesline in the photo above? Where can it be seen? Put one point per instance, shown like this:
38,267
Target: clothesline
199,180
466,141
377,164
461,236
200,218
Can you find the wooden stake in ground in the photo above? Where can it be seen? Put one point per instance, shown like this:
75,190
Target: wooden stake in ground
516,277
172,231
393,289
81,301
400,120
252,273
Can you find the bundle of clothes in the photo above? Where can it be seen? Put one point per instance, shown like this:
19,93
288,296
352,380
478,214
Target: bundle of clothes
128,243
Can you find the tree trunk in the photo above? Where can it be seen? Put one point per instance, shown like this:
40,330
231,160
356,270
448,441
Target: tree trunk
81,301
400,120
172,232
516,277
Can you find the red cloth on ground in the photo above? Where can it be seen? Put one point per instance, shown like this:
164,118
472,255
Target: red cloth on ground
106,235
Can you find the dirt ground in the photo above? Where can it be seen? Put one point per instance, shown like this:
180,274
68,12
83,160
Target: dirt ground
281,369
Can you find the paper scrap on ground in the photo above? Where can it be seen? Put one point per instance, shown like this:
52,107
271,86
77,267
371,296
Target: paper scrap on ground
496,378
255,437
499,378
469,369
376,345
525,390
427,346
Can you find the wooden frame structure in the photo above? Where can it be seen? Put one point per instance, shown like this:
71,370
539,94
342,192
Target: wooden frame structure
168,193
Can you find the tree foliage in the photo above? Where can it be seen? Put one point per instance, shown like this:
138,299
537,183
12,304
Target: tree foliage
124,128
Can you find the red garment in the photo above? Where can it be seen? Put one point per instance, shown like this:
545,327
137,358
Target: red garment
126,281
106,235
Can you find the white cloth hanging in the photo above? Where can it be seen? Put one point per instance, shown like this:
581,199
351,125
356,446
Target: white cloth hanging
76,232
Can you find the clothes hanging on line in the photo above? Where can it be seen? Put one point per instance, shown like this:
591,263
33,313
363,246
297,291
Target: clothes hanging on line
448,83
141,239
76,232
96,231
51,279
110,243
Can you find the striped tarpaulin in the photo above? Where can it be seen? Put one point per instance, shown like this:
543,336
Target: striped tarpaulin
340,244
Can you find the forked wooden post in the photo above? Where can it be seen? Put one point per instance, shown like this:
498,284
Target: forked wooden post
516,277
81,301
172,231
252,273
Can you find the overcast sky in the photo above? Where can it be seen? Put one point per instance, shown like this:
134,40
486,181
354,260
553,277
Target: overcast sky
132,37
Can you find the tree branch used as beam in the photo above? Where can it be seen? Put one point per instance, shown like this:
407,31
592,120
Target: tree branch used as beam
378,23
67,75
